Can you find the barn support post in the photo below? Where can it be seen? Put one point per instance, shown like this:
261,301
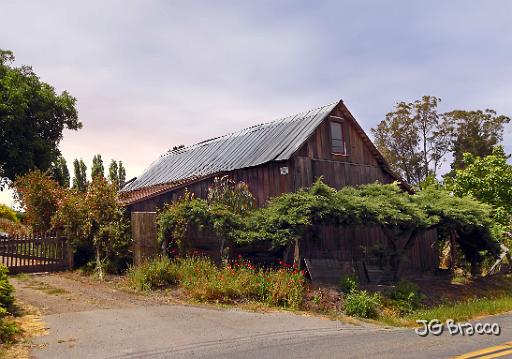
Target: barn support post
453,249
287,251
411,238
400,245
296,254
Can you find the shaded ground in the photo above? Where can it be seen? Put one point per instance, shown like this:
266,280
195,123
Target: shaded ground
442,290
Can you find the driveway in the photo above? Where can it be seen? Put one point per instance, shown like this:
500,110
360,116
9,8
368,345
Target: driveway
86,320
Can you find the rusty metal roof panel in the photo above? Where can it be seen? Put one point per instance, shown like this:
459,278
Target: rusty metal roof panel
252,146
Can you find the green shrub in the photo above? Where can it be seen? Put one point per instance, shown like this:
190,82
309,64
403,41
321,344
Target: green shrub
153,274
360,303
6,291
406,297
8,328
350,283
8,331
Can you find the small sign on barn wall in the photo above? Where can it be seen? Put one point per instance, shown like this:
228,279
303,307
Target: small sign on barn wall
284,170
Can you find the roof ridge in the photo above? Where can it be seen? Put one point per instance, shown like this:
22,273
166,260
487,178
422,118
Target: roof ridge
259,125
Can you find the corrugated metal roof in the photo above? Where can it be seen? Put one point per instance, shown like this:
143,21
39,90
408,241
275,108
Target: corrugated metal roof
253,146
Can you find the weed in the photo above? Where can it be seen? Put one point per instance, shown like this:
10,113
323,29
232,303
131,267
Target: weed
360,303
348,284
155,274
405,297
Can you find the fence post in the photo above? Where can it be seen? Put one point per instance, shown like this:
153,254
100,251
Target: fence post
68,253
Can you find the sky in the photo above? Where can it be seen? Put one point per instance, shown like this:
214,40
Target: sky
149,75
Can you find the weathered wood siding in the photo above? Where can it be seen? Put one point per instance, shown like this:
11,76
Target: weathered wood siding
355,243
319,144
264,182
352,244
335,174
315,158
145,243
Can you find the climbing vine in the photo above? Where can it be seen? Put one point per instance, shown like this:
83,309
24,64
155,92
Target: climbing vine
289,217
227,203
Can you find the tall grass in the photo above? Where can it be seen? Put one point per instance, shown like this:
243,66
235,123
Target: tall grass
154,274
462,311
203,280
467,310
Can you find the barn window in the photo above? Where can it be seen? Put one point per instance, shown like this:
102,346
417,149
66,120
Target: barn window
337,138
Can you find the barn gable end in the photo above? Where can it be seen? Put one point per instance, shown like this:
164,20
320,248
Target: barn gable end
275,158
272,158
361,163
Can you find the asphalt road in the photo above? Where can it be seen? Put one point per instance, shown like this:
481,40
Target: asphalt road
116,326
187,332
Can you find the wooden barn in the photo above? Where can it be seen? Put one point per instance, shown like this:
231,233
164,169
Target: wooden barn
278,157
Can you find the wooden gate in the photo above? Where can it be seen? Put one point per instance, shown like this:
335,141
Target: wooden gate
36,253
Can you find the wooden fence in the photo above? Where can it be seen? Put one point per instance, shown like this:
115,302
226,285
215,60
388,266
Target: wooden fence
46,252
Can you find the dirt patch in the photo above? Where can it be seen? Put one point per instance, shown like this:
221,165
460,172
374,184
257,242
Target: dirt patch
64,293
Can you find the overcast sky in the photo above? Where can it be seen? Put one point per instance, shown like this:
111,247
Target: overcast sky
149,75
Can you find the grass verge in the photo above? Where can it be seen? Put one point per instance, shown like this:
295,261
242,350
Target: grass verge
463,311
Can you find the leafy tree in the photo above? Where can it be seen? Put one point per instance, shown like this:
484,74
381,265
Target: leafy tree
105,220
80,175
97,169
96,220
117,173
434,134
113,174
32,119
40,195
13,228
474,132
462,220
289,218
121,174
488,179
59,171
71,220
414,139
